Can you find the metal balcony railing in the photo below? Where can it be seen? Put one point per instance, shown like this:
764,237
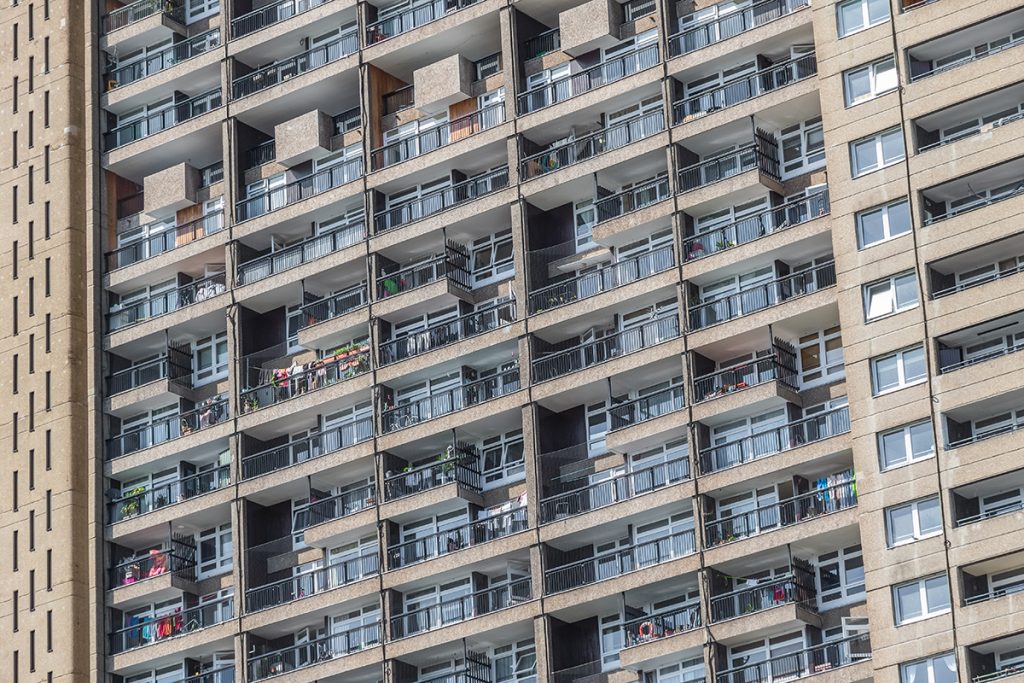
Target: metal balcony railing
311,582
745,88
447,333
156,563
780,366
590,671
615,490
638,197
130,206
263,153
806,506
978,203
334,507
1002,672
990,513
137,11
155,62
717,169
165,241
645,408
604,279
458,464
137,503
415,16
309,186
315,652
987,434
980,358
180,622
543,43
271,14
1010,589
661,625
399,100
334,306
787,437
211,412
977,282
588,79
622,561
304,62
420,274
437,137
695,36
591,145
306,251
797,587
448,402
967,59
460,609
817,659
475,675
759,297
457,538
634,9
221,675
756,226
315,445
269,389
163,119
971,132
176,366
563,362
165,302
441,200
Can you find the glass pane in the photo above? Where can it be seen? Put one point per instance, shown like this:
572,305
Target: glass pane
929,515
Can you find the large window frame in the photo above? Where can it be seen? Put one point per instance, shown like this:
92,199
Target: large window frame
923,515
878,151
891,294
873,80
909,438
921,599
898,370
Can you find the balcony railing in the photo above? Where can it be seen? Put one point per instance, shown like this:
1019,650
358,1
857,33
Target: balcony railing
696,36
645,408
418,15
155,62
1009,589
162,120
717,169
615,490
271,387
779,366
334,306
589,671
978,203
971,132
213,411
793,510
176,367
156,563
263,153
787,437
638,197
334,507
315,445
588,79
420,274
622,561
543,43
312,582
661,625
977,282
591,145
460,609
759,297
987,434
311,185
448,402
745,88
971,57
165,241
818,659
447,333
221,675
1002,672
989,514
441,200
180,622
304,62
588,354
458,464
756,226
153,499
270,15
437,137
457,538
604,279
166,302
306,251
315,652
980,358
797,587
137,11
399,100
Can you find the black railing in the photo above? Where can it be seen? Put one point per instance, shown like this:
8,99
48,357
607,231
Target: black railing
263,153
971,57
304,62
307,250
661,625
458,464
315,651
457,538
270,388
166,302
543,43
165,241
157,563
441,200
311,582
1009,589
797,587
450,401
420,274
784,438
447,333
580,149
834,654
334,507
398,100
437,137
980,358
759,297
587,354
971,132
269,15
221,675
728,165
460,609
986,434
1006,509
980,201
213,411
590,671
135,503
315,445
297,190
162,120
638,197
176,366
137,11
415,16
333,306
977,282
622,561
155,62
645,408
779,366
696,36
150,630
588,79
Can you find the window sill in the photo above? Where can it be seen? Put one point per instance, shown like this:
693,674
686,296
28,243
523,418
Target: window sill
891,314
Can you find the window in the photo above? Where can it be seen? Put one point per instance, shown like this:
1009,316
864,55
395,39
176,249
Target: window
869,81
883,223
937,669
921,598
214,551
492,258
898,370
515,662
894,294
199,9
840,577
878,151
503,457
857,15
913,521
906,444
803,147
820,357
210,356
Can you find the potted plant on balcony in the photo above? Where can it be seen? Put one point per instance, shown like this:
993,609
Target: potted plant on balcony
130,505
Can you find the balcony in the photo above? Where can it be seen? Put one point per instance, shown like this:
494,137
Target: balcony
297,190
828,656
334,507
776,365
175,367
142,9
311,582
762,296
306,655
745,88
558,363
450,265
157,61
333,307
696,35
966,45
454,611
640,196
543,44
457,538
418,15
774,441
458,465
645,408
220,675
211,412
437,137
973,192
165,241
794,588
447,402
316,445
983,114
761,155
270,386
166,302
137,503
588,79
441,200
659,625
591,145
269,15
991,579
447,333
306,251
986,419
980,343
285,69
179,562
162,120
623,561
180,622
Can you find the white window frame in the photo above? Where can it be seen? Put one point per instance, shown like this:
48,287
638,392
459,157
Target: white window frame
866,20
806,159
873,149
919,588
888,289
494,270
903,358
507,470
831,366
918,533
907,433
200,9
882,78
890,227
488,66
217,346
946,659
846,562
223,551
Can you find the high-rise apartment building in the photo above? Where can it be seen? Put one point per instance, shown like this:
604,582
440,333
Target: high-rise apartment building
481,341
